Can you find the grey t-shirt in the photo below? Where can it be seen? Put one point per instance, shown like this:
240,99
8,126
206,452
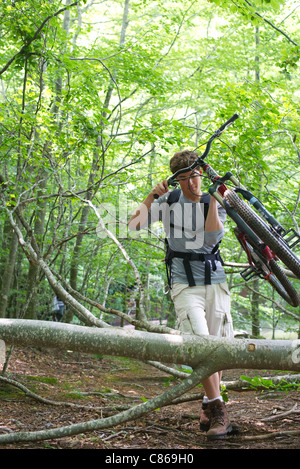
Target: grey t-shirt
188,235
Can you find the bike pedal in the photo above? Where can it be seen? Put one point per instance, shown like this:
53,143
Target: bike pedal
250,272
291,238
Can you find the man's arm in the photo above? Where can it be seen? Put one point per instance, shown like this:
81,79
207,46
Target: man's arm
213,222
140,216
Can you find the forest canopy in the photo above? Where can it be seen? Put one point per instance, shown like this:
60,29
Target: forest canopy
96,96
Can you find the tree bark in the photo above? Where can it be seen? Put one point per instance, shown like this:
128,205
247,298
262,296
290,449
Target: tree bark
212,352
34,269
8,273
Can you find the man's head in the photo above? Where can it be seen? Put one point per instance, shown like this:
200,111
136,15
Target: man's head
182,159
190,181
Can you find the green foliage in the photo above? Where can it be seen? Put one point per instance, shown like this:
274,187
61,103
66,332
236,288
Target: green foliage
86,112
43,379
265,384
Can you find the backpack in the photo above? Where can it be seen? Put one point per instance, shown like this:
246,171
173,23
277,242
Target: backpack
208,259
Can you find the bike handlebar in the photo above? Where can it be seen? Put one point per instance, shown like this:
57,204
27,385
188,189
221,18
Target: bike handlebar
206,151
171,180
227,123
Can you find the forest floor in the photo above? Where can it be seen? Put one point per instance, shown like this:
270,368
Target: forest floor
108,381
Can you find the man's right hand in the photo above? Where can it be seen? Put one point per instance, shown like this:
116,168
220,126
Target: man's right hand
160,189
139,217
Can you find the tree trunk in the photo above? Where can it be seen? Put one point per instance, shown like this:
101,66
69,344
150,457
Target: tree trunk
95,168
34,270
255,294
7,277
212,352
255,309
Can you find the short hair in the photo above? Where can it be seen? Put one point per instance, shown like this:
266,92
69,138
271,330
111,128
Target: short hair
182,159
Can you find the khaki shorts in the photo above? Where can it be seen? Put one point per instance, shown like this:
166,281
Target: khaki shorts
203,309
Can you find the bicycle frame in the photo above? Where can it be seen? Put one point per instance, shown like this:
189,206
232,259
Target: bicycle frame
261,258
219,188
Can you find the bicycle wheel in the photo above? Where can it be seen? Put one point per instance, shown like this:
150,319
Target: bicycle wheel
267,270
270,238
274,242
282,284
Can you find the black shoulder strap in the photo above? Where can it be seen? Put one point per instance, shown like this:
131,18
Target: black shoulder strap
205,199
208,259
173,196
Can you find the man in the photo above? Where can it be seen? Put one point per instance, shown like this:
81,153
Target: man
58,309
197,278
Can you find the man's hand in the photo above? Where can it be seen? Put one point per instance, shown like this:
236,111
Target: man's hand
141,214
160,189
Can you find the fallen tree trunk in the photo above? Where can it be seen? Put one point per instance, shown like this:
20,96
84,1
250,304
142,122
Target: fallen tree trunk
205,354
218,353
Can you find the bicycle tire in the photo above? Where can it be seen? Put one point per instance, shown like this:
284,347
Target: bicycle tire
285,288
278,245
282,285
270,271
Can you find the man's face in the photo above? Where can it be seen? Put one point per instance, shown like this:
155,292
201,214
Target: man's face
190,183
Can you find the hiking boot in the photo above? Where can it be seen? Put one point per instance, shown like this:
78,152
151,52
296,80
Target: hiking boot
219,421
204,418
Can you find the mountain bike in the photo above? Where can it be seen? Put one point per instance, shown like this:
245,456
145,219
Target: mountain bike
260,235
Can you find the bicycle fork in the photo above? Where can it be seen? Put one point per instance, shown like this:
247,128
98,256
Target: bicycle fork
261,250
290,237
218,190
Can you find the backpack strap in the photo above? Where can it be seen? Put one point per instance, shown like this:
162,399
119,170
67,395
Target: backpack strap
173,196
208,259
204,199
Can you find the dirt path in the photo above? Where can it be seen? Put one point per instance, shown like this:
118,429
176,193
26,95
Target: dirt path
64,376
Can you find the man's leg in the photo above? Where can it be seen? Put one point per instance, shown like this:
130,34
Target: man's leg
212,386
219,322
193,309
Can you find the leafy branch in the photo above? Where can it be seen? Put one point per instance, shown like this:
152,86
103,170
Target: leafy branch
272,25
35,36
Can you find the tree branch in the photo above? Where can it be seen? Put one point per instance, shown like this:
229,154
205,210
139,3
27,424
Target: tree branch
32,255
217,353
205,354
122,249
34,37
130,414
272,25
